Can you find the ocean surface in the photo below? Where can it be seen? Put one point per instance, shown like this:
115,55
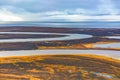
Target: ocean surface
94,24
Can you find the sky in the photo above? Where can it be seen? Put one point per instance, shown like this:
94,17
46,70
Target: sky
60,10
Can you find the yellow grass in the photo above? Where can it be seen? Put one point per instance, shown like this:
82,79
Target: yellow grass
58,66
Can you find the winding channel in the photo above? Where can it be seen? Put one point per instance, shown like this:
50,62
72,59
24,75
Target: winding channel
110,53
68,37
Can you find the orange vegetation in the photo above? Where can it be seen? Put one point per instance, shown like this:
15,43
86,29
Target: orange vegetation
60,67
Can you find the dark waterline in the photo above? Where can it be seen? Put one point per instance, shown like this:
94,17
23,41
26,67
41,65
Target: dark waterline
62,24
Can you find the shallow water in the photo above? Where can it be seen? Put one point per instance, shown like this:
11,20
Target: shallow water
109,45
113,37
109,53
68,37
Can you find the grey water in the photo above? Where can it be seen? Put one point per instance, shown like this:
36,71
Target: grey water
109,53
88,24
109,45
68,37
113,37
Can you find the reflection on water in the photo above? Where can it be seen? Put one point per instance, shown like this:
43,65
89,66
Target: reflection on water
109,45
69,37
104,75
110,53
113,37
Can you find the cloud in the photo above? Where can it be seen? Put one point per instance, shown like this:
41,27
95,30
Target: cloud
40,10
6,15
11,14
31,5
108,7
77,18
78,14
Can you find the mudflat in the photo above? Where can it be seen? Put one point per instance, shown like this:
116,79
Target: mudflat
99,35
29,59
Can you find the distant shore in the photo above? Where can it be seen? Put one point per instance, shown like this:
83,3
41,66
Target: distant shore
98,36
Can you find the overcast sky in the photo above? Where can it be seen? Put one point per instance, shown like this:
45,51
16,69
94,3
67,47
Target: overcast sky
61,10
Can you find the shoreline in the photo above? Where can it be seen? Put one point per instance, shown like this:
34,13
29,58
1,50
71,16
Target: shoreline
32,33
74,39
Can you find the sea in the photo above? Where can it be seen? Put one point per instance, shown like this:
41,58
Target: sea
86,24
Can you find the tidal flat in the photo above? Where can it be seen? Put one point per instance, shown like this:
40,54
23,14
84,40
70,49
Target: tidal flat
49,53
